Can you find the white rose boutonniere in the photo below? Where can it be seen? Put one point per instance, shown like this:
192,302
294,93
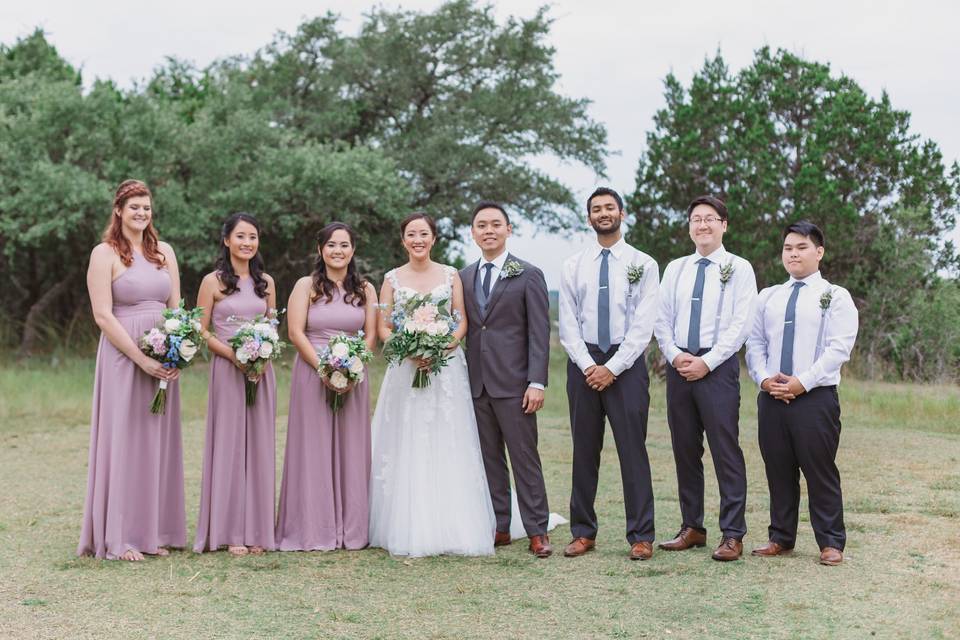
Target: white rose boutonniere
511,269
634,273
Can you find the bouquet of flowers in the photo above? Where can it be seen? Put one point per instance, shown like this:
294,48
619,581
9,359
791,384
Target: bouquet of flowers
255,343
422,329
173,342
341,365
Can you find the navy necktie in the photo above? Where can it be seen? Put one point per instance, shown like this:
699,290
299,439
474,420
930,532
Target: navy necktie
603,304
696,308
488,269
789,326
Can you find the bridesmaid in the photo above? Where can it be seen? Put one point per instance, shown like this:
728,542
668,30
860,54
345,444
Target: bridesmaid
134,503
326,471
239,459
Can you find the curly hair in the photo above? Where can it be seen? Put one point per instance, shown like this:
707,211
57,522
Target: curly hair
113,234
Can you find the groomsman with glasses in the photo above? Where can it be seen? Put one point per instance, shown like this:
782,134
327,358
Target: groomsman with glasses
804,331
707,303
608,297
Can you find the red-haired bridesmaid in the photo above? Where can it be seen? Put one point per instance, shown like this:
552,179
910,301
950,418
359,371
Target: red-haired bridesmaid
134,503
324,495
239,458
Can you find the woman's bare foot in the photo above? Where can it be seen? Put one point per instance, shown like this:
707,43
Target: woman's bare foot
162,552
131,555
256,550
238,550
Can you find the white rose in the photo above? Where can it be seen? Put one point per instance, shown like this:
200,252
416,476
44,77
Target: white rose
338,380
266,349
273,335
171,325
340,350
263,328
196,326
356,366
437,328
409,326
242,356
188,350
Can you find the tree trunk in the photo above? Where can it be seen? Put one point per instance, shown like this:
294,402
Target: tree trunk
31,327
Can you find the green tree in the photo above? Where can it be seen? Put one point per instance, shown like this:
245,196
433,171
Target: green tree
785,139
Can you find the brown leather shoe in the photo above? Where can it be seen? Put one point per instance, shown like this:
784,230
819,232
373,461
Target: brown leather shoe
771,549
501,539
729,549
687,538
830,556
641,550
540,546
578,547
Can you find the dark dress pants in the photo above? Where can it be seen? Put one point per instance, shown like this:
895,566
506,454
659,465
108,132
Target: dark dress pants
709,405
803,436
625,403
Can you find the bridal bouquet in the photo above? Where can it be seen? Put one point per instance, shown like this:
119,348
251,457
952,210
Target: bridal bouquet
255,343
422,329
341,365
173,342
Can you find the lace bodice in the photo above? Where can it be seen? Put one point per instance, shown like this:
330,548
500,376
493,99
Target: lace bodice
402,293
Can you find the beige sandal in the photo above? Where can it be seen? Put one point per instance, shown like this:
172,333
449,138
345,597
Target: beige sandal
238,550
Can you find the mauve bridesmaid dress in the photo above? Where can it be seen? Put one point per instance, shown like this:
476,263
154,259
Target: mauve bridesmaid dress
135,475
324,495
239,468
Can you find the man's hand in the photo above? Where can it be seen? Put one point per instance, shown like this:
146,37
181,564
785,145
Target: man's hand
694,369
783,387
599,377
533,400
682,359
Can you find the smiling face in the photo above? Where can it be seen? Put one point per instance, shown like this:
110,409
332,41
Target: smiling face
418,239
136,214
337,251
801,256
605,215
243,241
706,229
490,231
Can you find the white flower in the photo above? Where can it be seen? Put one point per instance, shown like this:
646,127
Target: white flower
409,326
171,325
263,328
436,328
196,326
242,356
187,350
266,349
338,380
356,367
340,350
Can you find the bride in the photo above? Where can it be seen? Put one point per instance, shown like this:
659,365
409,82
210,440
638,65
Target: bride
428,488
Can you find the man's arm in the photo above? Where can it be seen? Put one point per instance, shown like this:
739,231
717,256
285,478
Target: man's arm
641,325
538,327
570,336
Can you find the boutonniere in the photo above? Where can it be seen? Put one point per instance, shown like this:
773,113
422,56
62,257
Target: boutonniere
825,300
634,273
511,269
726,272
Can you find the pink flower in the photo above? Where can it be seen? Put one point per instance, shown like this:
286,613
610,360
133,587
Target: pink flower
425,314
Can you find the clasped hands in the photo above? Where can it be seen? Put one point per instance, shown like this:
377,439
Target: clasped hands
690,367
598,377
783,387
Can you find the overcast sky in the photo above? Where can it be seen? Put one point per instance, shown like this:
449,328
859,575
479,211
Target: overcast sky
615,53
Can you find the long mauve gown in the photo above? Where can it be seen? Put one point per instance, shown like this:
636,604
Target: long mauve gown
135,474
239,469
324,495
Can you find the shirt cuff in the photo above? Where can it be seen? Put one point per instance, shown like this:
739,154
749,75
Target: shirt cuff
807,379
585,362
536,385
615,366
671,353
711,360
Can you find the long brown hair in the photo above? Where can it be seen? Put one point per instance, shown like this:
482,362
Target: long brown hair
353,284
113,234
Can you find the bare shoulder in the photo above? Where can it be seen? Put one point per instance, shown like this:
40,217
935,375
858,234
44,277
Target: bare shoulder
166,249
102,251
268,278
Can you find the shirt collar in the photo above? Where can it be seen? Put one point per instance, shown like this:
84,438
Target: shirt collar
617,249
717,257
810,280
497,262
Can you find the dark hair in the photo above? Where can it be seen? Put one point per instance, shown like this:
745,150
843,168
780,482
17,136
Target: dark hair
488,204
807,229
228,278
605,191
353,285
711,201
419,215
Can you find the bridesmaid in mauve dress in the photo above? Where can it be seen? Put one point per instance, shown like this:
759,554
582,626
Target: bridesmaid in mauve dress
324,495
239,458
134,501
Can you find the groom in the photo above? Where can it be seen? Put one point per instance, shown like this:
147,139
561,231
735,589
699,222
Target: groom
508,343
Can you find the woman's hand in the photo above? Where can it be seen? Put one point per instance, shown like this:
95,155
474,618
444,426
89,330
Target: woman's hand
326,382
154,369
423,364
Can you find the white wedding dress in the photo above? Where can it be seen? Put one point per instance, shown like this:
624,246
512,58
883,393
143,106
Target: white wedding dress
428,488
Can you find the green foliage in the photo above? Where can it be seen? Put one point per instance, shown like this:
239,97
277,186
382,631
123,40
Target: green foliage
783,140
428,111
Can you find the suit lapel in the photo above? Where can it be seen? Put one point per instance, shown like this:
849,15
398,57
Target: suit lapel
469,290
499,289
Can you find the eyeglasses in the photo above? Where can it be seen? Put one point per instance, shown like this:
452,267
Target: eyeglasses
709,220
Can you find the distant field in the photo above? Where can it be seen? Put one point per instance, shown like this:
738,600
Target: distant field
899,456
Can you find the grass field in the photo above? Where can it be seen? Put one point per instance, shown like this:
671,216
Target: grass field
899,457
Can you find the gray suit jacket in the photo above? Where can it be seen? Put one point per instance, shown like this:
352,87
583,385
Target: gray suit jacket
508,347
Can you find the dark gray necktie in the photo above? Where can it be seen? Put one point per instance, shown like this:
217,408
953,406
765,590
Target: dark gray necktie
696,307
603,304
789,325
488,269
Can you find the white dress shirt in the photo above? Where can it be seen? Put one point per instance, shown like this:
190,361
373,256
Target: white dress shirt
633,307
736,317
840,323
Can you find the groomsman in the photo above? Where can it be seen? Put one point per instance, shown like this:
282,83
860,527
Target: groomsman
608,298
508,353
803,333
707,302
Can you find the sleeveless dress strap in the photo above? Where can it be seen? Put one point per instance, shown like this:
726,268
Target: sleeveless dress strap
392,277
